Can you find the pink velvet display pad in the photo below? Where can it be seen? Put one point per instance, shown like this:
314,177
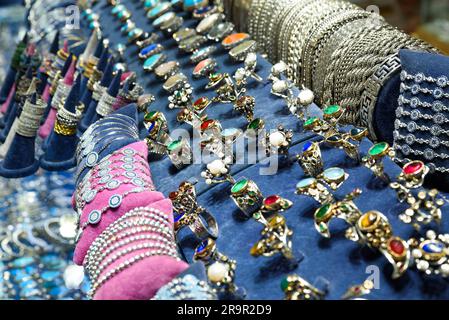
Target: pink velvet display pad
5,105
45,129
143,279
46,93
130,202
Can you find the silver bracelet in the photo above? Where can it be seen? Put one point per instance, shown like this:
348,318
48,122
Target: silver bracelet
373,85
428,153
411,139
124,265
105,104
415,89
442,81
415,102
416,114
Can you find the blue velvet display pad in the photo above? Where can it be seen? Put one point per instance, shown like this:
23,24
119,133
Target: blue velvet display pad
9,120
340,261
20,160
271,108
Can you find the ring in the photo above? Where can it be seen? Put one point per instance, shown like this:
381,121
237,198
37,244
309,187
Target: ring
247,196
311,160
275,238
219,268
430,254
357,291
190,214
374,230
175,82
319,127
345,210
278,141
423,208
239,52
341,141
374,159
190,117
313,188
158,133
204,68
150,50
218,171
245,105
296,288
180,153
144,101
413,174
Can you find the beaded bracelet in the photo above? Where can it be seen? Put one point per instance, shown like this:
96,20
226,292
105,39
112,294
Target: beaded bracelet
123,223
124,265
131,228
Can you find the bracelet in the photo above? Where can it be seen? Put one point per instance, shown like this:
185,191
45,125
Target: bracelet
123,223
415,89
63,129
428,154
114,202
442,81
433,142
437,118
105,104
436,106
126,264
373,85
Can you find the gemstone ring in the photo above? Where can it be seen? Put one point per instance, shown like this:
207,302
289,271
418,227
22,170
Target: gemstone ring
374,159
296,288
247,196
311,160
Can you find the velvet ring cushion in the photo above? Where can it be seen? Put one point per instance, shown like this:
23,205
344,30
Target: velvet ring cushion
60,152
99,88
8,83
88,68
422,117
20,160
60,88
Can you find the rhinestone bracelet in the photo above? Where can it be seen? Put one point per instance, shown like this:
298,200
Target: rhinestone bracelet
415,89
415,102
131,226
411,139
428,154
412,126
416,114
442,81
